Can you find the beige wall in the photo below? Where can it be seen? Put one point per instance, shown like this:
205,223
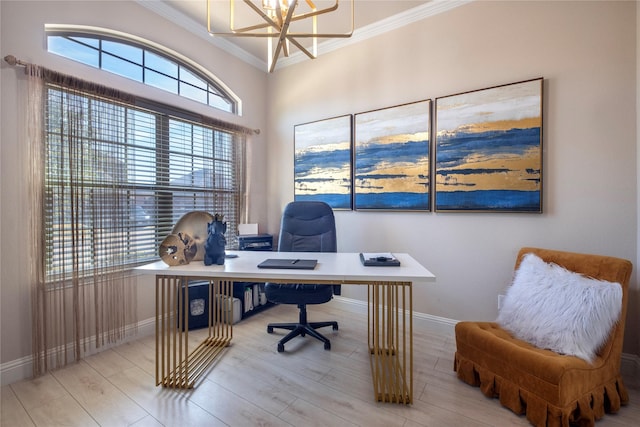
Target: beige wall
585,51
23,36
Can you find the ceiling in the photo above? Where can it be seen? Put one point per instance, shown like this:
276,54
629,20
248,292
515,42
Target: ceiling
371,17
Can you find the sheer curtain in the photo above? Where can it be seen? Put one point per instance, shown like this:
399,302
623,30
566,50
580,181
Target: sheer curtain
243,177
34,147
98,209
90,304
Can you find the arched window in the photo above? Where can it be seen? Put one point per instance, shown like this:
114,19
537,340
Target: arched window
142,61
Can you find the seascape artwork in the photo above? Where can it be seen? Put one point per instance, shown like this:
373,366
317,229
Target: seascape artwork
392,155
322,157
488,149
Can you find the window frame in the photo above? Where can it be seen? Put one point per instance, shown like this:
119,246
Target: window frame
214,84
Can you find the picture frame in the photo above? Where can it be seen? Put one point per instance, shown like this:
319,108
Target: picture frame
488,149
392,148
323,161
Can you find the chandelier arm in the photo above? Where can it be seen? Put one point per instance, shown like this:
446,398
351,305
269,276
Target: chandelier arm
244,31
276,35
301,47
279,11
321,35
292,6
269,21
282,38
314,13
276,55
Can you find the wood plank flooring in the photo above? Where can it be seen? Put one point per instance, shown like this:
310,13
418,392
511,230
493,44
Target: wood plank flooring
254,385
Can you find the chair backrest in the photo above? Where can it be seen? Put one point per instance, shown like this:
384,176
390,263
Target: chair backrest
599,267
307,227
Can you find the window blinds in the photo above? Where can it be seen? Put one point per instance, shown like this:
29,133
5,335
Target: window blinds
119,176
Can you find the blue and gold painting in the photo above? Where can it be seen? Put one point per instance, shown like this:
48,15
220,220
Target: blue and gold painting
488,149
392,149
322,157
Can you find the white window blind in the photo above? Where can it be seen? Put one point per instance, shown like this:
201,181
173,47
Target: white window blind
118,176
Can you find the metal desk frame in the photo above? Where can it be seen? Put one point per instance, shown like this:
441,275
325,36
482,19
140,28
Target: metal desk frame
390,313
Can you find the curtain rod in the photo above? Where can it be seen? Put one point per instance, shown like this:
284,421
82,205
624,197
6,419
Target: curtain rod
12,60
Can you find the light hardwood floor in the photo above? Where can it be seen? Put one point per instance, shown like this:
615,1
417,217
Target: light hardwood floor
254,385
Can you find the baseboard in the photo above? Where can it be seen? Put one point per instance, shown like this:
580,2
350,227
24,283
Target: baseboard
441,324
21,369
630,370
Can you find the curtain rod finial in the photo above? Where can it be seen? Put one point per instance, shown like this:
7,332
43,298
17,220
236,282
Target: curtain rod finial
11,60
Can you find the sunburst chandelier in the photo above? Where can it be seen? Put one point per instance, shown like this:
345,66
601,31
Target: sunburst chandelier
282,22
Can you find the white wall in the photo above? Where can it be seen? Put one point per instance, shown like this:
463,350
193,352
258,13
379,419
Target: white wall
23,36
587,54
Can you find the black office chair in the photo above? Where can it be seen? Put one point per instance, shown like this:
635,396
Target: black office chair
305,227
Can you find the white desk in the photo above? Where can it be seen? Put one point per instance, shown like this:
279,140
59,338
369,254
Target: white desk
390,314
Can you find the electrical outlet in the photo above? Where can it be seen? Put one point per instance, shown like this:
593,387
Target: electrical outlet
500,300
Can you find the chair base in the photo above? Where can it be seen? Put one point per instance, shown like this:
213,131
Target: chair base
302,328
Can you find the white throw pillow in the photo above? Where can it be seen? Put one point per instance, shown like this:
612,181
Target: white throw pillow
557,309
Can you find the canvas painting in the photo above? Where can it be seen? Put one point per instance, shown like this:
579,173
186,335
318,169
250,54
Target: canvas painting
488,149
392,149
322,156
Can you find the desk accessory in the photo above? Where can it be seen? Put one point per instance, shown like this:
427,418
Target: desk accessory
385,259
289,264
194,224
214,246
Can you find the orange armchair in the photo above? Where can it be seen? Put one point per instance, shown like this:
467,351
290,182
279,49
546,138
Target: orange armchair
550,388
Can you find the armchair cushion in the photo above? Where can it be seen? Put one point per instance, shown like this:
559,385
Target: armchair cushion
556,309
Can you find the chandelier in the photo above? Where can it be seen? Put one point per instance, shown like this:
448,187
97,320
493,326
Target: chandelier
274,22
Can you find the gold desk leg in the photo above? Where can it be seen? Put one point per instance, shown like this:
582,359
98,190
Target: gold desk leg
178,366
390,340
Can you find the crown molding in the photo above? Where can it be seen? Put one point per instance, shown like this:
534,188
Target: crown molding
391,23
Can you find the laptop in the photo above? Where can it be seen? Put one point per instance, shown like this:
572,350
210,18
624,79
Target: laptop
295,264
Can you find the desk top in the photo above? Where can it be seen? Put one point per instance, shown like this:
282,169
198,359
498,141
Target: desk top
341,267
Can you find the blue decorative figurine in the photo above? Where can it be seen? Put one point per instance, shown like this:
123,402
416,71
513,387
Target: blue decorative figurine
214,246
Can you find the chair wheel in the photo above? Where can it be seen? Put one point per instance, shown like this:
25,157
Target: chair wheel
269,329
335,327
327,345
280,348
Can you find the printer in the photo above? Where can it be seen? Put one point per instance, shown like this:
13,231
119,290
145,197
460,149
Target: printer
255,242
